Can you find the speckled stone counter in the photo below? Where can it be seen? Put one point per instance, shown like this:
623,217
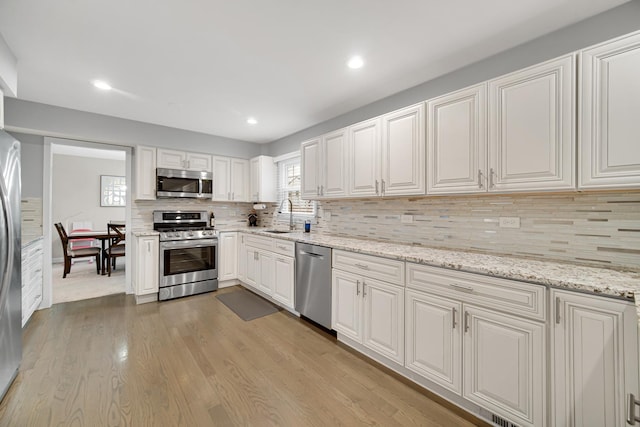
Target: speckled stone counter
561,275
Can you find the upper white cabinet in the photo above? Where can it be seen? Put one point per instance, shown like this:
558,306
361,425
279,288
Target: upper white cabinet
172,159
230,179
610,114
456,142
532,128
263,179
594,360
364,158
403,152
145,173
324,166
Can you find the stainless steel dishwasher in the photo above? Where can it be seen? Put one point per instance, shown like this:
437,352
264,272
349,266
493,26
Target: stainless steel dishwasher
313,283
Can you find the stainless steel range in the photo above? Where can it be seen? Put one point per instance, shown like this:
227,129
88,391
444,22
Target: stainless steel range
188,253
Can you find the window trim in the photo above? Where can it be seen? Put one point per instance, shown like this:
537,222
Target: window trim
281,162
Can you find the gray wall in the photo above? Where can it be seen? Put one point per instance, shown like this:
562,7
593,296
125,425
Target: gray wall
48,120
615,22
32,158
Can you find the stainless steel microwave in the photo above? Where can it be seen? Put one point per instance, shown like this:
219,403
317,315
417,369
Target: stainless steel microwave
182,183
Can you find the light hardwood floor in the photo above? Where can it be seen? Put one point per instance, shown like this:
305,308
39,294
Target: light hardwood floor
193,362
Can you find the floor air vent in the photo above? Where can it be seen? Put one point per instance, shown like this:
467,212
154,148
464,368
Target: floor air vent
501,421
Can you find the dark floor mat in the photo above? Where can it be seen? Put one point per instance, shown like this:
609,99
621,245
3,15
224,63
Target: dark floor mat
247,305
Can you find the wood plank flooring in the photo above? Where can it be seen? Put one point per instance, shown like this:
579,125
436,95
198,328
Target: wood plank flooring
193,362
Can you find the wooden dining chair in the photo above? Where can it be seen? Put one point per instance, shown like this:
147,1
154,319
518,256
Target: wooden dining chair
70,254
116,246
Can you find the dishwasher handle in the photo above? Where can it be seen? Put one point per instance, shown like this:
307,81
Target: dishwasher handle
311,254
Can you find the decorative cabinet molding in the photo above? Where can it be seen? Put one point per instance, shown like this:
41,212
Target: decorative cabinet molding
145,173
610,108
531,128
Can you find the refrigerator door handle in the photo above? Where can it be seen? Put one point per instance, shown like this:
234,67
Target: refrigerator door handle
7,258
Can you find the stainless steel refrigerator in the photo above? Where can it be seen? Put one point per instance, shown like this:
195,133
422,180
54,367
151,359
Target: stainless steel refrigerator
10,262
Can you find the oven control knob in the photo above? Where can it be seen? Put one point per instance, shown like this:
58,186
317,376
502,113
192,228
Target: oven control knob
190,234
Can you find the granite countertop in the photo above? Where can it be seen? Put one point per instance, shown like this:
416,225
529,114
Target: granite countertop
557,274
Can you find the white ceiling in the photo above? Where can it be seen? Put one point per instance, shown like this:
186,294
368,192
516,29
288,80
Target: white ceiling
207,65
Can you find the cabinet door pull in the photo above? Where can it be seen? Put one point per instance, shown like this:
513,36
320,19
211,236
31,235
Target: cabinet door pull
284,248
318,191
461,288
364,289
632,410
453,317
491,173
357,287
233,195
383,187
322,190
480,184
229,195
148,246
362,266
377,192
558,310
466,321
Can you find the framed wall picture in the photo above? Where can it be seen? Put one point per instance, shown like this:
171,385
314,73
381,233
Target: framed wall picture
113,190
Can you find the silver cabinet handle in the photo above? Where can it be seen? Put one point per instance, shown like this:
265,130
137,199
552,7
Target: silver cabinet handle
357,287
229,195
453,317
632,418
558,310
491,173
284,248
377,192
322,190
362,266
233,195
461,288
364,289
466,321
480,184
383,187
148,246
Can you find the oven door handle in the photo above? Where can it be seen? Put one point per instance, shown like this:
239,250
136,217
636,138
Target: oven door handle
200,243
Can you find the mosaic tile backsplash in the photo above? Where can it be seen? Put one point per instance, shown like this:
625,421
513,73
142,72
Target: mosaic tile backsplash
599,229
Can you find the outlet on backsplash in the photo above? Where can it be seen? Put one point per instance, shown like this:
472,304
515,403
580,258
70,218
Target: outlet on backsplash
510,221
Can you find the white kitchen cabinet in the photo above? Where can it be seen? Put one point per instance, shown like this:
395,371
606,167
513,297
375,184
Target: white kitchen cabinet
532,128
228,256
230,179
610,108
310,157
266,276
365,158
145,173
594,359
252,266
403,152
324,166
504,365
434,338
242,259
346,305
173,159
32,264
146,268
284,285
263,179
367,310
457,142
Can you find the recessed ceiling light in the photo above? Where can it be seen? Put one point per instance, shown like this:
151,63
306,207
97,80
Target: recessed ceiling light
355,62
102,85
252,121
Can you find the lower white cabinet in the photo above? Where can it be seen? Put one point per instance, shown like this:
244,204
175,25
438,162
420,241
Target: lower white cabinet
228,256
504,365
434,339
268,266
146,267
594,360
32,262
370,312
285,274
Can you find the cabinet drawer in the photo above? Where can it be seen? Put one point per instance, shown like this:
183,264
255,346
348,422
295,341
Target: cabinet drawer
259,242
388,270
284,247
523,299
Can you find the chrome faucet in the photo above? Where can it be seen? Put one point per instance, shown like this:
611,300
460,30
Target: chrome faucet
291,226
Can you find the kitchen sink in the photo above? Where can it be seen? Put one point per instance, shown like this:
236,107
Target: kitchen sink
277,231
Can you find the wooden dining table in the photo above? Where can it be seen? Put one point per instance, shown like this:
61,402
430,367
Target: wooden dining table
101,235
